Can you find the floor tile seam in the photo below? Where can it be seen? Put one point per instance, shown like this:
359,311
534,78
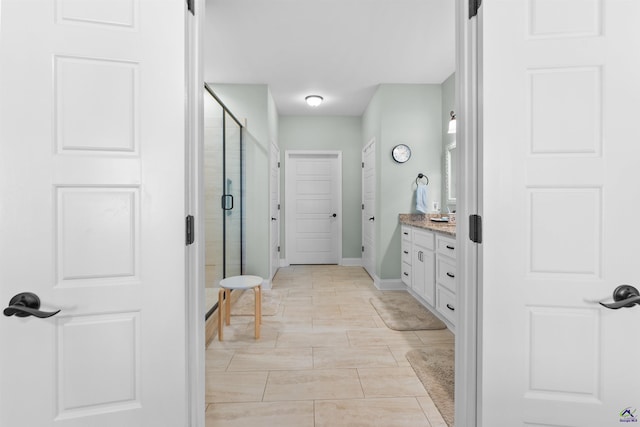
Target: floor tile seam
312,370
406,398
270,369
264,390
422,408
361,385
320,399
394,358
227,402
226,368
314,413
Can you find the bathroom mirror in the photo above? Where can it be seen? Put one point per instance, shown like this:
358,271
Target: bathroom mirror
451,160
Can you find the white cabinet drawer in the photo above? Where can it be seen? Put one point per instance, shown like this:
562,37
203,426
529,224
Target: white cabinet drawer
446,246
446,303
406,232
406,274
446,273
424,239
406,252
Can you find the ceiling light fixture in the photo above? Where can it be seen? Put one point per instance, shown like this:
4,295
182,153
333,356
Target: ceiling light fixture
314,100
452,123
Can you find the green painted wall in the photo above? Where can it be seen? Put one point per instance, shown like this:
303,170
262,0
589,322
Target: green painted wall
412,115
254,104
343,133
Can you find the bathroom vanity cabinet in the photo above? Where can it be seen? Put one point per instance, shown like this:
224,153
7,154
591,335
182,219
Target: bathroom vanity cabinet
446,277
428,257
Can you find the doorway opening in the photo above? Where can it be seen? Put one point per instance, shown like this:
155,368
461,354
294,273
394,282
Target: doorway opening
381,149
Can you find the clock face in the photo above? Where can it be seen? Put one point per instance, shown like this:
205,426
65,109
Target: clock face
401,153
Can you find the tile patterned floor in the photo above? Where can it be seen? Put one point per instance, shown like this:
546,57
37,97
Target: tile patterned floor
325,360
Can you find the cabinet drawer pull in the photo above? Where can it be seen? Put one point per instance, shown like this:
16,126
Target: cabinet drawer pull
406,274
451,275
405,233
450,308
406,252
451,247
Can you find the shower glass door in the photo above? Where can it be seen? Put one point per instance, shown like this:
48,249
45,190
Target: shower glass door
223,198
231,201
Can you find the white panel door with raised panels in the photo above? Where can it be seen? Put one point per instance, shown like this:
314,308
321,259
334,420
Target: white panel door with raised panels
561,199
369,208
274,206
313,196
92,212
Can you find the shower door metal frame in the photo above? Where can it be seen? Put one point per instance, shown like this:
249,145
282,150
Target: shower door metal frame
226,111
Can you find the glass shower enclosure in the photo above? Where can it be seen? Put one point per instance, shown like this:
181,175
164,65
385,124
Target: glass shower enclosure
224,195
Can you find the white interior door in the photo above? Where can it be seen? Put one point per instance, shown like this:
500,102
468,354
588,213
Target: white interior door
92,180
313,201
560,140
274,202
369,207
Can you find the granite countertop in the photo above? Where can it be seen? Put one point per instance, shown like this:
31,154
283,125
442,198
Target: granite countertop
424,221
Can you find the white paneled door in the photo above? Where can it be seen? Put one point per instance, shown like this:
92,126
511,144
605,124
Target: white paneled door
313,207
560,136
274,207
92,180
369,207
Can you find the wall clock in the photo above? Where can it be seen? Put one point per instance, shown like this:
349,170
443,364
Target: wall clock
401,153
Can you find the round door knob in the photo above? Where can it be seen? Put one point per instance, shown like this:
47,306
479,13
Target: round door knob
334,215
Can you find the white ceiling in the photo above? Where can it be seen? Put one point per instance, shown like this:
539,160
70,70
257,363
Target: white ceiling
339,49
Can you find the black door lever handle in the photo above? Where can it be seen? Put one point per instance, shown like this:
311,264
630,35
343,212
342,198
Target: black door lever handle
27,304
623,296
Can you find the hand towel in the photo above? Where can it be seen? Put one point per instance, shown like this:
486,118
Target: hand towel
421,198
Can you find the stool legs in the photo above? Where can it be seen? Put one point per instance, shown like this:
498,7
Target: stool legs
224,310
258,309
221,295
227,300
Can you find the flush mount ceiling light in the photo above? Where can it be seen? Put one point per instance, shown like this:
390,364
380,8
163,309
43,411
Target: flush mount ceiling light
452,123
314,100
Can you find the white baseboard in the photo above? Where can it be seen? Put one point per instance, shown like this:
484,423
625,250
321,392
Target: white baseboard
266,284
350,262
389,284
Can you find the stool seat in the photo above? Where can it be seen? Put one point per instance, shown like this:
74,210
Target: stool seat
240,282
224,299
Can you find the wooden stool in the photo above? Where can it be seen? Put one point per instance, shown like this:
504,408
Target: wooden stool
238,282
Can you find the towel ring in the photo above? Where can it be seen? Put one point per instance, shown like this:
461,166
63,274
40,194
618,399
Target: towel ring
420,176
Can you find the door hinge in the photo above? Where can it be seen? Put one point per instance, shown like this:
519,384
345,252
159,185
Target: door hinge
474,5
189,235
191,6
363,206
278,206
278,248
363,249
475,228
362,165
278,164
